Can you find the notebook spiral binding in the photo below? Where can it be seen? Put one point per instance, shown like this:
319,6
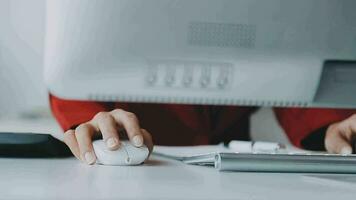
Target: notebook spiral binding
194,100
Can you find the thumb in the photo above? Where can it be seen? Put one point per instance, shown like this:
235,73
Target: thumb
335,142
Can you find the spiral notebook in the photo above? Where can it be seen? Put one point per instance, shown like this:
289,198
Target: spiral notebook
224,159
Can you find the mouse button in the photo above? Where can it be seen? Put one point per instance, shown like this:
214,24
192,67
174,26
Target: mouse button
98,144
136,150
131,148
108,157
112,158
137,154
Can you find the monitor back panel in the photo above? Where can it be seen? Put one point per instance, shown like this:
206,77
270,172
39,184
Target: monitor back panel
245,52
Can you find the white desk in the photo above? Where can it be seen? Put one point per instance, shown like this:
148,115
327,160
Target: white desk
158,179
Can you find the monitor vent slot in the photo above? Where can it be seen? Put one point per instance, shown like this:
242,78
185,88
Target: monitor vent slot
222,35
194,100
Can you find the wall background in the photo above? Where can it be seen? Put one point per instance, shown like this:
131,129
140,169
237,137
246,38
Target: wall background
21,47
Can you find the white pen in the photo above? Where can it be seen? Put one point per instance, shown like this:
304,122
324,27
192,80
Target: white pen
256,147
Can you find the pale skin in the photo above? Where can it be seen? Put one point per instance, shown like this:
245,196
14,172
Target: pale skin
339,136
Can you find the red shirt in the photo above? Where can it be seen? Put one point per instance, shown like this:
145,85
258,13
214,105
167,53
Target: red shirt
172,124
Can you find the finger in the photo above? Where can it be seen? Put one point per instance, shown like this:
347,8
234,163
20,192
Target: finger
71,142
348,128
352,132
147,140
84,134
335,142
108,128
130,122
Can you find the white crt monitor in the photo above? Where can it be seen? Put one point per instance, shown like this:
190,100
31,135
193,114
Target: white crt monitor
222,52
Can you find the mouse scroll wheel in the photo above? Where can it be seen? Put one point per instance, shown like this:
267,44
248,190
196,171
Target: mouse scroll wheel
128,160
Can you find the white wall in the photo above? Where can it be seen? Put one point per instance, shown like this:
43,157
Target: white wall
21,47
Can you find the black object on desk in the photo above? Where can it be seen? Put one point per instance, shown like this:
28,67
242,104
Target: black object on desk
31,145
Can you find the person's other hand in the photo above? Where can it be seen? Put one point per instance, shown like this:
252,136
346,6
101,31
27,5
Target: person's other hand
108,125
340,137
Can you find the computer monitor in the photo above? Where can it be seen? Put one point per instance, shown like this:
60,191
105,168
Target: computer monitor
222,52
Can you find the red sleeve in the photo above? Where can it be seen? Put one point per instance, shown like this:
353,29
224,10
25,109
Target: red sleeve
298,123
70,113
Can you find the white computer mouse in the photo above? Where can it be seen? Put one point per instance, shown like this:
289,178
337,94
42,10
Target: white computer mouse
127,154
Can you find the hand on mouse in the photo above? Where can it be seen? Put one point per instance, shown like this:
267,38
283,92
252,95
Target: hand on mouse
340,137
107,124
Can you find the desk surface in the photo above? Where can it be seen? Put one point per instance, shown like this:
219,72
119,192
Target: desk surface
158,179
